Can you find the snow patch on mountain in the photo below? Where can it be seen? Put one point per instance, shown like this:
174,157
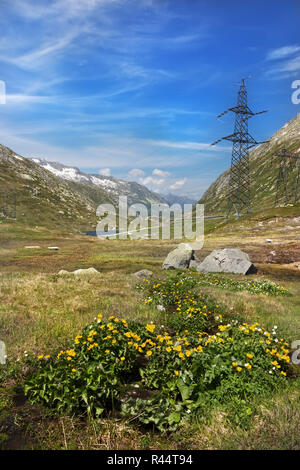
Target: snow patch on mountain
114,186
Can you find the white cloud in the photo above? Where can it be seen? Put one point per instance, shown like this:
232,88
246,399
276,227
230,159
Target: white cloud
58,8
186,38
283,52
34,58
135,172
152,181
287,61
158,172
184,145
292,65
178,184
105,172
19,98
286,69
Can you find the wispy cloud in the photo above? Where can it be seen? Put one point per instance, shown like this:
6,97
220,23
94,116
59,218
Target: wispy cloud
135,172
286,61
186,145
17,99
178,184
283,52
157,172
150,181
35,57
292,65
63,9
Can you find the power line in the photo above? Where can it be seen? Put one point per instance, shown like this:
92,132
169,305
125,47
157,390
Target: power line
239,197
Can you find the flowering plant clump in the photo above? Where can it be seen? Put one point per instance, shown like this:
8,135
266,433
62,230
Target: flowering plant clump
253,286
200,358
170,291
192,372
176,295
89,374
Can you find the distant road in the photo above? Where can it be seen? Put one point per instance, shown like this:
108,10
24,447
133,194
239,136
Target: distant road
208,217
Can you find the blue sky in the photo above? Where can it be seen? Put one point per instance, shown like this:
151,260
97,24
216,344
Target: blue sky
132,88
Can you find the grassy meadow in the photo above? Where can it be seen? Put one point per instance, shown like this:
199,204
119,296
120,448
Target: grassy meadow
41,313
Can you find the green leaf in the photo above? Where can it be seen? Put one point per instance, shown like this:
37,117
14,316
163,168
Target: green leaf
174,418
98,411
184,389
84,396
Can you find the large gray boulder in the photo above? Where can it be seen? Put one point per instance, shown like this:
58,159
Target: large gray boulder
194,264
229,260
179,258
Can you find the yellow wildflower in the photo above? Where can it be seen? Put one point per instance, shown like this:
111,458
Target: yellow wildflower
150,327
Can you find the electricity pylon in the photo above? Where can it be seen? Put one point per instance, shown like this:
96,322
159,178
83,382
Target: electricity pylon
287,186
239,196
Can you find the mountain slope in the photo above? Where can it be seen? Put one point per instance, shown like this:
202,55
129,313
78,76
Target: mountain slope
115,187
43,199
264,169
181,200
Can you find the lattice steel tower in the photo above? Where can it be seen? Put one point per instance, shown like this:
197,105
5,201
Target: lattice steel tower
239,197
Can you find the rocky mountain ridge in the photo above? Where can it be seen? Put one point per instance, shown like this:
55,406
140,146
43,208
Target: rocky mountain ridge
43,199
115,187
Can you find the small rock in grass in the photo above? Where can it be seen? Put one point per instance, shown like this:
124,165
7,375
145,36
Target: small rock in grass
3,355
85,271
78,272
144,273
53,248
269,240
32,247
63,271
